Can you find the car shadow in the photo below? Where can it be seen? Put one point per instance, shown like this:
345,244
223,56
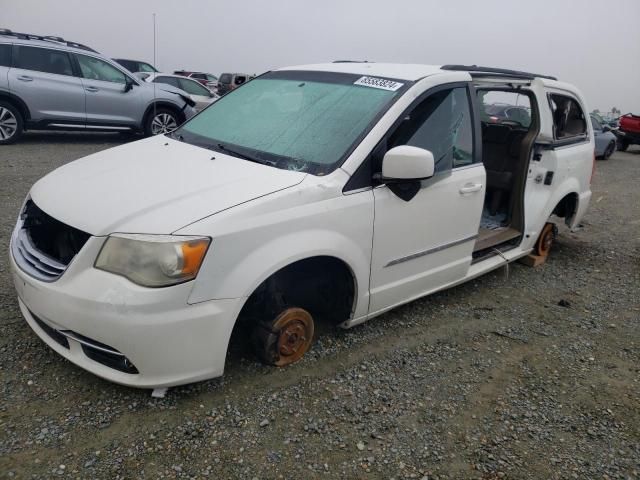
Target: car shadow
41,137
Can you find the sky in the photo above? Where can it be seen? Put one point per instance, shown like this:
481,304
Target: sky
593,44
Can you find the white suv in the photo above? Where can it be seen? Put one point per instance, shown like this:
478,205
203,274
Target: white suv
326,192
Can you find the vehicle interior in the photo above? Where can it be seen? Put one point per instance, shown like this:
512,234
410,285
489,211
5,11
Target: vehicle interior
507,142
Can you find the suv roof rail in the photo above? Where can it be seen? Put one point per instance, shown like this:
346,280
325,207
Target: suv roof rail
475,69
44,38
351,61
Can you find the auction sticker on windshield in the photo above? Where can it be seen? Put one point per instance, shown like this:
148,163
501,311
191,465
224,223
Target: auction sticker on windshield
378,83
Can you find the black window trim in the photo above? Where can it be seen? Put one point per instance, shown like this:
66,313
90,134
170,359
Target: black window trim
574,140
363,180
14,59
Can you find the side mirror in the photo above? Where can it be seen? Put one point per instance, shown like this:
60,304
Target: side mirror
406,163
606,128
128,84
402,169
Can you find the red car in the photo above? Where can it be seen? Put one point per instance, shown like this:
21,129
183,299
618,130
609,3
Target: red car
629,131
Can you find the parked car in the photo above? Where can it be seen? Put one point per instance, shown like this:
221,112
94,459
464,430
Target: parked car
605,140
200,94
49,83
629,131
257,215
207,79
606,120
508,113
135,65
230,81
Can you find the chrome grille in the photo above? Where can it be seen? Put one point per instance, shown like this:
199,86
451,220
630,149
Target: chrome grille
32,261
42,246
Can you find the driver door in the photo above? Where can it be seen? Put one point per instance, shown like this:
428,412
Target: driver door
424,244
107,103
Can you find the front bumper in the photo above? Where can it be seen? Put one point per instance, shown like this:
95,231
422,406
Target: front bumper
189,112
167,340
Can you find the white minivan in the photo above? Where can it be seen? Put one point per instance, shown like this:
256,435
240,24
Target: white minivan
329,192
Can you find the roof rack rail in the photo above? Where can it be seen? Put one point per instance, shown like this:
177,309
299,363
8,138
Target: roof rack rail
44,38
496,71
351,61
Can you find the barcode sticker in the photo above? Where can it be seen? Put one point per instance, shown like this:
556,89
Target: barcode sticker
378,83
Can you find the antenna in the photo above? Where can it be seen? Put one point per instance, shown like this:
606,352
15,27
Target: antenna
154,66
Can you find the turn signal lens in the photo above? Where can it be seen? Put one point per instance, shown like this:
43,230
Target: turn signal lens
192,256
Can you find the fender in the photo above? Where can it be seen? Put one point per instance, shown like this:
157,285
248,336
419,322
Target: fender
282,251
22,106
160,104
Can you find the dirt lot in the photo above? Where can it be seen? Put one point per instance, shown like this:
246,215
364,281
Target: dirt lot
492,379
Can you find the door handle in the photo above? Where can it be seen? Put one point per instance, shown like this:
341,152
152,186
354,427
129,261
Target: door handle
25,78
91,89
470,188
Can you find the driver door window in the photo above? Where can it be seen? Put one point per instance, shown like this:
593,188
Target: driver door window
95,69
441,124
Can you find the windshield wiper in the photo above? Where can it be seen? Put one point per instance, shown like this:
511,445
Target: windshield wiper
222,147
175,136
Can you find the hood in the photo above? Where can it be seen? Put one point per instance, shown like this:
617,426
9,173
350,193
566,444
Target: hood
157,185
164,90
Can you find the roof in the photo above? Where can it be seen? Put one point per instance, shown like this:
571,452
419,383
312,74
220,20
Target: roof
43,41
413,72
400,71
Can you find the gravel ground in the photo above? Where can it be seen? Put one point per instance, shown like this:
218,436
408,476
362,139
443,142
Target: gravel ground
530,373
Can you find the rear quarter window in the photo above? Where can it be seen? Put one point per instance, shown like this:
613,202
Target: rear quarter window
569,120
5,55
43,60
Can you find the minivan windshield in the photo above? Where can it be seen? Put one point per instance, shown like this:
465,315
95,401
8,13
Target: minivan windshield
294,120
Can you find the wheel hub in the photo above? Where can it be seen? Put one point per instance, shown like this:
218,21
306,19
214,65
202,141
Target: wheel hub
163,123
294,328
546,240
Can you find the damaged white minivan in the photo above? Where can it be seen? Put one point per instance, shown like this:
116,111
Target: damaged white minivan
316,193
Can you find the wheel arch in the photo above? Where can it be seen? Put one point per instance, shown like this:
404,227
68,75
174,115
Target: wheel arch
317,268
161,104
18,103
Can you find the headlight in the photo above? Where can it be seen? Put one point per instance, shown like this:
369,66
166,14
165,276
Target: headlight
153,260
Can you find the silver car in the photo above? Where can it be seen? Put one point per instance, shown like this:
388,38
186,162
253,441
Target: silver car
605,140
201,95
50,83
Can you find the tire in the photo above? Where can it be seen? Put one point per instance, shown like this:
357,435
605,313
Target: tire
162,120
609,150
623,145
11,123
285,339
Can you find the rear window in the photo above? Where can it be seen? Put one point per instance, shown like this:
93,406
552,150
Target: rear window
43,60
5,55
568,118
167,80
225,78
